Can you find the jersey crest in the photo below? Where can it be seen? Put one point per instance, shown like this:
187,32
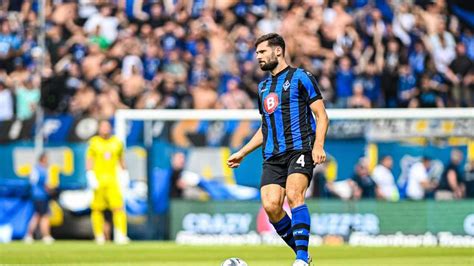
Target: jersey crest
286,85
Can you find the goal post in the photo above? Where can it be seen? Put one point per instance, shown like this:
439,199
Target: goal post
124,115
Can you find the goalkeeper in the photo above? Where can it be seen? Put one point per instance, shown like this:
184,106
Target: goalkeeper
104,155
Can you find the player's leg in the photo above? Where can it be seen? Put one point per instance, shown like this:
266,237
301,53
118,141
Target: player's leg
98,206
119,217
273,196
299,174
31,228
120,225
272,201
45,229
296,188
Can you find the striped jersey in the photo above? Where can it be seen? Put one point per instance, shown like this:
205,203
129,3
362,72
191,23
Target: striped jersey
287,120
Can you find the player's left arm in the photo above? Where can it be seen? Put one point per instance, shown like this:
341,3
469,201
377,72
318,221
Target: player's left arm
322,123
314,99
121,154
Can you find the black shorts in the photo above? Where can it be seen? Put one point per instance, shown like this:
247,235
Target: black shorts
41,206
277,169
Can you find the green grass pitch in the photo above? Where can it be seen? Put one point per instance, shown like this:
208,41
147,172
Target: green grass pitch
170,254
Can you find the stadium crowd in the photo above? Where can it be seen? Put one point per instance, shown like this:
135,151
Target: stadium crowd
104,55
427,178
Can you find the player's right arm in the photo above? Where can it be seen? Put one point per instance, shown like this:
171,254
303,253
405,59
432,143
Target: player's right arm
90,175
90,153
256,141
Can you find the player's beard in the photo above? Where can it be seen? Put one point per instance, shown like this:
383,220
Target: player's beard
270,65
105,135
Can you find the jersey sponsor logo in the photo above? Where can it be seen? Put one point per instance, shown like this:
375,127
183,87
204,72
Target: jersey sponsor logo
270,103
286,85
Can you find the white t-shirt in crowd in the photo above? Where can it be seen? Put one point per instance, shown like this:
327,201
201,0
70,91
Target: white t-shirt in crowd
416,176
108,26
385,180
443,55
6,105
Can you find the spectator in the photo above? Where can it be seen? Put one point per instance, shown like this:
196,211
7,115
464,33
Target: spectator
406,87
6,102
326,83
234,97
428,94
269,23
384,179
451,184
456,73
335,20
41,194
83,101
317,186
467,39
178,162
56,43
370,79
27,98
469,179
157,17
417,59
199,70
91,65
403,23
358,99
366,187
344,82
20,73
418,180
105,22
151,61
10,43
175,69
390,71
343,189
204,96
132,87
442,47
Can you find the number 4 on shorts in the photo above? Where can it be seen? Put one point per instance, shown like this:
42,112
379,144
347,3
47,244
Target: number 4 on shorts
300,160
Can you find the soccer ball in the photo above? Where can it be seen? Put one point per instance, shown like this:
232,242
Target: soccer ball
234,262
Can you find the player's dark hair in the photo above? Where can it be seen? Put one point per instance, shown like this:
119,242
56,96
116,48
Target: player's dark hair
42,155
273,40
101,120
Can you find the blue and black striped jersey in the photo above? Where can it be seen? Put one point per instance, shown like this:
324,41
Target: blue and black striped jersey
287,121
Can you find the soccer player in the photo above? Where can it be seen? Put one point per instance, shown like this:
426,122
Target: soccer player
104,155
41,194
291,140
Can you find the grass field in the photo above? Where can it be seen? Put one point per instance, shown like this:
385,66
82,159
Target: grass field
170,254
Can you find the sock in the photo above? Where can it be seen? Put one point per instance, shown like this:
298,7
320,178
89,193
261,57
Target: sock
120,221
97,220
283,228
301,224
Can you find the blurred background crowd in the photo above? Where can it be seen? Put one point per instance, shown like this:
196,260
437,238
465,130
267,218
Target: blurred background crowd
427,178
106,55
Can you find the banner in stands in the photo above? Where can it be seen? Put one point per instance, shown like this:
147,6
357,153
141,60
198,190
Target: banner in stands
424,223
389,130
60,128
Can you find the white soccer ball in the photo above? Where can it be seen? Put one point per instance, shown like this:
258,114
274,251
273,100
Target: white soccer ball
234,262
